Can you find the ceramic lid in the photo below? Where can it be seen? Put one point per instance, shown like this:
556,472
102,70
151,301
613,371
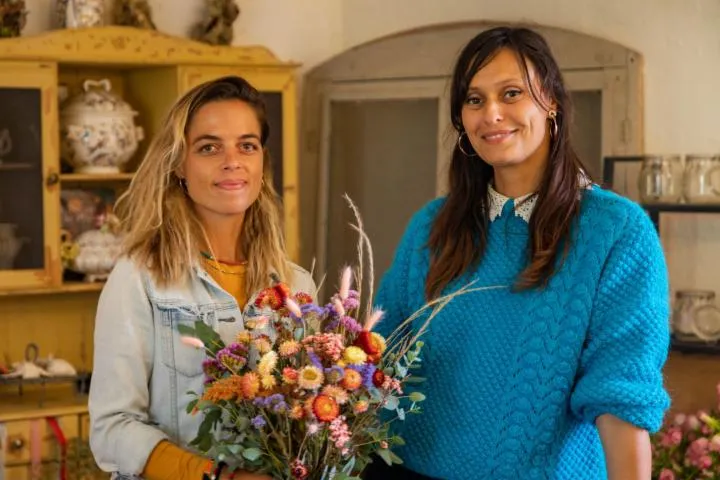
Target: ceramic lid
97,100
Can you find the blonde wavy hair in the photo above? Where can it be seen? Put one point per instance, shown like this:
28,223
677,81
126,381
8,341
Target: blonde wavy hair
161,229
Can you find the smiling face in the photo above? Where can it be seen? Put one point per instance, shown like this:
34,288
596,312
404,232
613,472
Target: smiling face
504,125
223,168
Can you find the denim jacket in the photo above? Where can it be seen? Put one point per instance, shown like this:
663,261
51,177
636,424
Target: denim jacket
142,371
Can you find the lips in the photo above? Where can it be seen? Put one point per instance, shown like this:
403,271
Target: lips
497,136
231,184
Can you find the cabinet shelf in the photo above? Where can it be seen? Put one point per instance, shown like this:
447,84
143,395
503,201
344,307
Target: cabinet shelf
654,210
705,348
95,178
66,287
13,167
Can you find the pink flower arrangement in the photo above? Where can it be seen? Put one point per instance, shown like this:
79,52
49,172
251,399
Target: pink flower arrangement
689,446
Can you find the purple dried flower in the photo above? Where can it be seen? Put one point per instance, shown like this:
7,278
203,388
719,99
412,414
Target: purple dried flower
315,360
350,324
258,422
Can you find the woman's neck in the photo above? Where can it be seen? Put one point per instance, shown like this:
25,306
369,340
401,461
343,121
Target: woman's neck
224,237
522,178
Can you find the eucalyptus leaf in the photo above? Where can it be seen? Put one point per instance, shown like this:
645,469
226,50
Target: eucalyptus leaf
413,379
251,454
397,440
395,458
391,402
416,397
384,453
400,370
349,466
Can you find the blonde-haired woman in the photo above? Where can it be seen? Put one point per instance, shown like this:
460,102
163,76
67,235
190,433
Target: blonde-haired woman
202,234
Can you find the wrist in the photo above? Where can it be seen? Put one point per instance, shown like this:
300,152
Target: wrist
213,471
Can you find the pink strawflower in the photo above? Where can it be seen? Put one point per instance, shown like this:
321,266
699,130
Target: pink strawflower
680,419
666,474
327,345
339,432
692,423
392,385
673,436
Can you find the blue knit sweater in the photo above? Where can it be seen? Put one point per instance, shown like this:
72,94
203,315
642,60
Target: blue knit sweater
516,379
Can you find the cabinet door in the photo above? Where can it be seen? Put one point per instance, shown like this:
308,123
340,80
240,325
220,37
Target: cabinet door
29,181
278,88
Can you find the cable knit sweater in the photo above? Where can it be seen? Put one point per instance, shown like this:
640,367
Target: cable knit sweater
516,379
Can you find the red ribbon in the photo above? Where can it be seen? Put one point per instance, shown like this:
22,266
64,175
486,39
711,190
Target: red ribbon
62,442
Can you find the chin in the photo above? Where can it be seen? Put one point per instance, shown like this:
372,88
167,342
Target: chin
501,160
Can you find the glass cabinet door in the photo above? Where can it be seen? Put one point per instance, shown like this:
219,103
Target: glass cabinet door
29,179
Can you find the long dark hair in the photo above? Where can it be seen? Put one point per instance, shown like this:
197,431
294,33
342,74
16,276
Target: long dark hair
458,237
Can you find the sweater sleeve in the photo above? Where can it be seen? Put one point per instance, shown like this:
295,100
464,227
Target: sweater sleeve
628,337
170,462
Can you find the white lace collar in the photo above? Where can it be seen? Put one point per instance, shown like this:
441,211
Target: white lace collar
524,205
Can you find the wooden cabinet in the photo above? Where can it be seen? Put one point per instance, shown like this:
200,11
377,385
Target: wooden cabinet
147,69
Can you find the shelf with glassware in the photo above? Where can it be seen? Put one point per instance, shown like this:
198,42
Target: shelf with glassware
673,184
668,184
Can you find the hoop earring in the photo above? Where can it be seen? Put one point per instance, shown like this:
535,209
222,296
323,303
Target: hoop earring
183,184
552,116
459,145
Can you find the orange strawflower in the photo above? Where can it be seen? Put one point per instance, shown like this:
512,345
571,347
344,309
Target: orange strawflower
325,408
223,389
352,379
249,385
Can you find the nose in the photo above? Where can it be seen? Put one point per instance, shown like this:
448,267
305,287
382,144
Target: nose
232,160
492,113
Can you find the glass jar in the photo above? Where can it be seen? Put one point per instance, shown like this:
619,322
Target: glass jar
701,180
660,179
687,302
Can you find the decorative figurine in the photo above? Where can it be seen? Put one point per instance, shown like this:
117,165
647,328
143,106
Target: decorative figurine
13,17
217,28
133,13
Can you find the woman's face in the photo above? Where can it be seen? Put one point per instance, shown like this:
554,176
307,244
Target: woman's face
504,125
223,168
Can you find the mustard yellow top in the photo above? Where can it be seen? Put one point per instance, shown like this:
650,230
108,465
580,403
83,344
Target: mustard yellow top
230,276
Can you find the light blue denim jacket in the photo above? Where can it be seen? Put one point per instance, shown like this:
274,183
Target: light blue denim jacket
142,371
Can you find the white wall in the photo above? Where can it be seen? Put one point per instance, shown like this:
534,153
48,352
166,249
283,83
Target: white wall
679,40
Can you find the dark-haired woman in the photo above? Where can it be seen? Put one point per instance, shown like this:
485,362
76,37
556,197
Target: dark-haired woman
558,373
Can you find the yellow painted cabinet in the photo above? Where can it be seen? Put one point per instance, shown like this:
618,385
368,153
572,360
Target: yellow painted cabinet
29,175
